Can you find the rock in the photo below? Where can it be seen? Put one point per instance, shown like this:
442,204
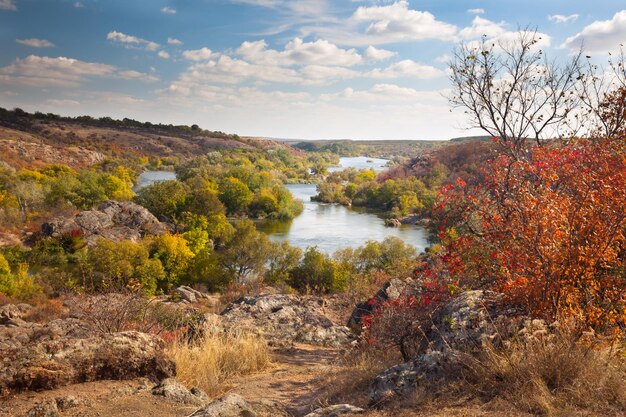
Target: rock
286,319
336,411
63,352
172,389
45,409
67,402
112,220
391,290
231,405
393,223
189,294
463,327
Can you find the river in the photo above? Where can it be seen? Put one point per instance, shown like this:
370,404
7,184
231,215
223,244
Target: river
327,226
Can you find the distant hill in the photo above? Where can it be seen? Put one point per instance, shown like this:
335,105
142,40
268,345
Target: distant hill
35,139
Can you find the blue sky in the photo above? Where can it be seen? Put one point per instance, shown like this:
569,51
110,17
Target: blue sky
314,69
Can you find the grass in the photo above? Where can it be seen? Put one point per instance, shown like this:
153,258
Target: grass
554,375
209,363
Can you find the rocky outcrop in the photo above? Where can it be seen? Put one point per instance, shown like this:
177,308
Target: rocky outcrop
286,319
112,220
465,325
336,411
231,405
37,356
391,290
174,390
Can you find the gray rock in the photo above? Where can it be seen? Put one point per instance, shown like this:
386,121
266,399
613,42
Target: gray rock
172,389
67,402
45,409
336,411
112,220
286,319
231,405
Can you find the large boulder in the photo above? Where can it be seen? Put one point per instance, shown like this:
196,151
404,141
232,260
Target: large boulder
286,319
112,220
464,326
37,356
231,405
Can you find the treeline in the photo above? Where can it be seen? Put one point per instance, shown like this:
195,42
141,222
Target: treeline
19,117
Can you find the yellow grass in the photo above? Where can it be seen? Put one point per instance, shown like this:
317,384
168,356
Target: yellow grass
220,355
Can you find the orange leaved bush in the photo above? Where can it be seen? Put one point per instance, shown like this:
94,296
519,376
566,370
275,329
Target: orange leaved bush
549,230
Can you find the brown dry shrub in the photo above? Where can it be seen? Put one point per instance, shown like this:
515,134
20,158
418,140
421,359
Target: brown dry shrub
553,375
111,313
218,356
47,310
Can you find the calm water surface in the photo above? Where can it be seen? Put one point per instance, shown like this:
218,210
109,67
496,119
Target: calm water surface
150,177
360,162
332,226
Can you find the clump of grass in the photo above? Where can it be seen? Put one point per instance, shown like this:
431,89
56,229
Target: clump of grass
218,356
554,375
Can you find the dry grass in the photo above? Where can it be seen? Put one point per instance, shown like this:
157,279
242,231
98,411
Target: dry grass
209,363
558,375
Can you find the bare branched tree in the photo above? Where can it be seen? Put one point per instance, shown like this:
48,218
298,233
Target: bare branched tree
603,95
513,92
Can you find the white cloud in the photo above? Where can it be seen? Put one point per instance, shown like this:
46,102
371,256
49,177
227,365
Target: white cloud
559,18
35,43
174,41
375,54
164,54
396,22
298,52
476,11
41,71
234,71
168,10
7,5
407,68
79,5
132,41
136,75
63,102
443,59
385,92
202,54
482,27
601,35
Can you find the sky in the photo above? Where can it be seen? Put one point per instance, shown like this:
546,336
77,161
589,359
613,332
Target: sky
308,69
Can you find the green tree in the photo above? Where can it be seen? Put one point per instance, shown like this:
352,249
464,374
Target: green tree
282,258
235,195
315,272
244,256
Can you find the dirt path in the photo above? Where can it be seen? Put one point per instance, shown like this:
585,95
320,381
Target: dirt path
296,379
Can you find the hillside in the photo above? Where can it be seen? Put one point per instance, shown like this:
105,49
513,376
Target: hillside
37,139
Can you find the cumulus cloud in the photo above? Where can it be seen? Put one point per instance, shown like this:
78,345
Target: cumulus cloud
375,54
79,5
202,54
174,41
396,22
164,54
601,35
482,27
132,41
41,71
63,102
476,11
35,43
7,5
559,18
168,10
407,68
298,52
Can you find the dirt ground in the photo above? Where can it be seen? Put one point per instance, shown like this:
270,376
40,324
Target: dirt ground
298,380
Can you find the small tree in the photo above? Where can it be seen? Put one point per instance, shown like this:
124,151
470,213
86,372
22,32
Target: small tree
315,272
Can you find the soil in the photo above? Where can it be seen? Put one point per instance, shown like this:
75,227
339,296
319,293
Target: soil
298,380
